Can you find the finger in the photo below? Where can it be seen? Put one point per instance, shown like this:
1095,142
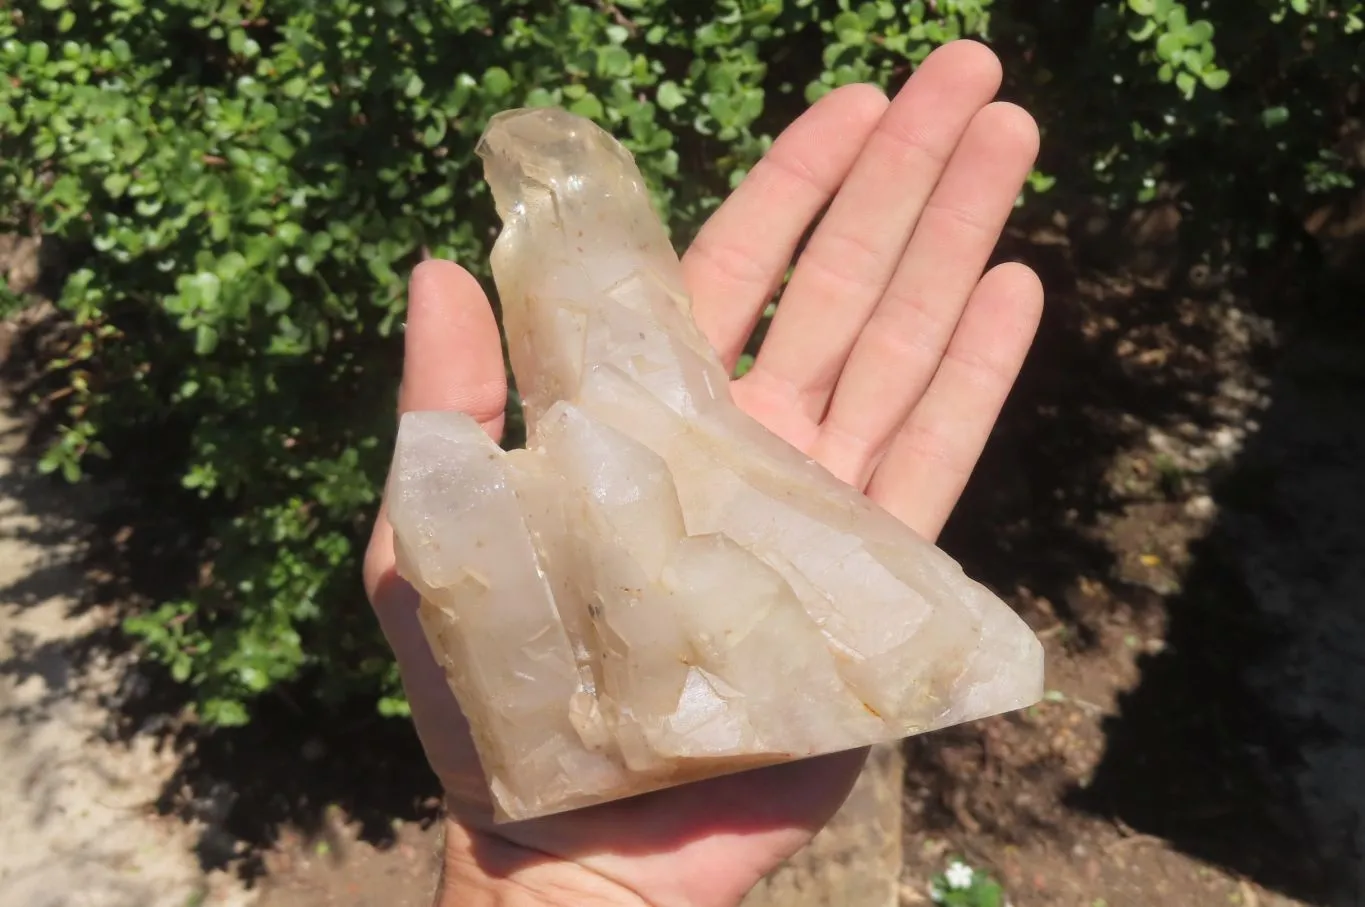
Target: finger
899,350
853,253
928,463
452,360
452,353
736,262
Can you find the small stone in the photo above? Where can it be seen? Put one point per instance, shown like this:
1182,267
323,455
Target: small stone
1225,439
1201,507
657,589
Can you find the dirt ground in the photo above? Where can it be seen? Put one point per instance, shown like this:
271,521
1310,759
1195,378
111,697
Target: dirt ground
79,825
1195,577
1174,500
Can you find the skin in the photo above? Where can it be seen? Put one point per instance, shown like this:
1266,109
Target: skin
888,361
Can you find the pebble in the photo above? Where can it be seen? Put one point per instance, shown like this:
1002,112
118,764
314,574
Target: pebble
1201,507
1225,439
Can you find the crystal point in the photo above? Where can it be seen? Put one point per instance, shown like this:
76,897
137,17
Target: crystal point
657,589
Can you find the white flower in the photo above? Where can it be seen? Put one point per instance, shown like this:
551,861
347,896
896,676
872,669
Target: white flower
959,875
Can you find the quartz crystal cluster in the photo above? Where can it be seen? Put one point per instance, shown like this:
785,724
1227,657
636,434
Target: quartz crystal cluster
657,589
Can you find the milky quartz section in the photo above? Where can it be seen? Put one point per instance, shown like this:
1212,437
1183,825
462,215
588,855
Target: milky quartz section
657,589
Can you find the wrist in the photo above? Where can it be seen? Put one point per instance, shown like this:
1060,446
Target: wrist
481,870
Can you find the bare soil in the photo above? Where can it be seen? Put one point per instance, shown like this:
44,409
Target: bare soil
1147,503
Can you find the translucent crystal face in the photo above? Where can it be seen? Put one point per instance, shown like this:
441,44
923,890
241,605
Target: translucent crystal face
537,155
658,589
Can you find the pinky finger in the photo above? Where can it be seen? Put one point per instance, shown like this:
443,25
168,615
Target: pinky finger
934,452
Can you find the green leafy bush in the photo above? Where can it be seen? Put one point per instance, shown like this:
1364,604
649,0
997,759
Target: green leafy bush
243,185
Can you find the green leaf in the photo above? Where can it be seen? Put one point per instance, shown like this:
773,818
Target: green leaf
1200,32
815,90
849,28
433,134
225,712
497,81
1168,45
1142,7
51,460
588,106
205,339
1274,116
201,290
670,96
116,183
614,61
1216,79
394,707
253,678
1041,182
1144,32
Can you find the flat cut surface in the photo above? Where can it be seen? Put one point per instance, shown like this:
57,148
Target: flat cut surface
658,589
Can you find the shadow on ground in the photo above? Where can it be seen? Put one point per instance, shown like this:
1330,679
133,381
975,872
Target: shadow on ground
297,769
40,514
1244,744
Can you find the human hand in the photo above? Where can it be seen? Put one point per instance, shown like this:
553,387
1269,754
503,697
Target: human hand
888,361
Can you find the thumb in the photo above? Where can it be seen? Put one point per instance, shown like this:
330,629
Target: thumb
452,355
452,360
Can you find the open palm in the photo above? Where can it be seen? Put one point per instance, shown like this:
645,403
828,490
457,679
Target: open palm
888,360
